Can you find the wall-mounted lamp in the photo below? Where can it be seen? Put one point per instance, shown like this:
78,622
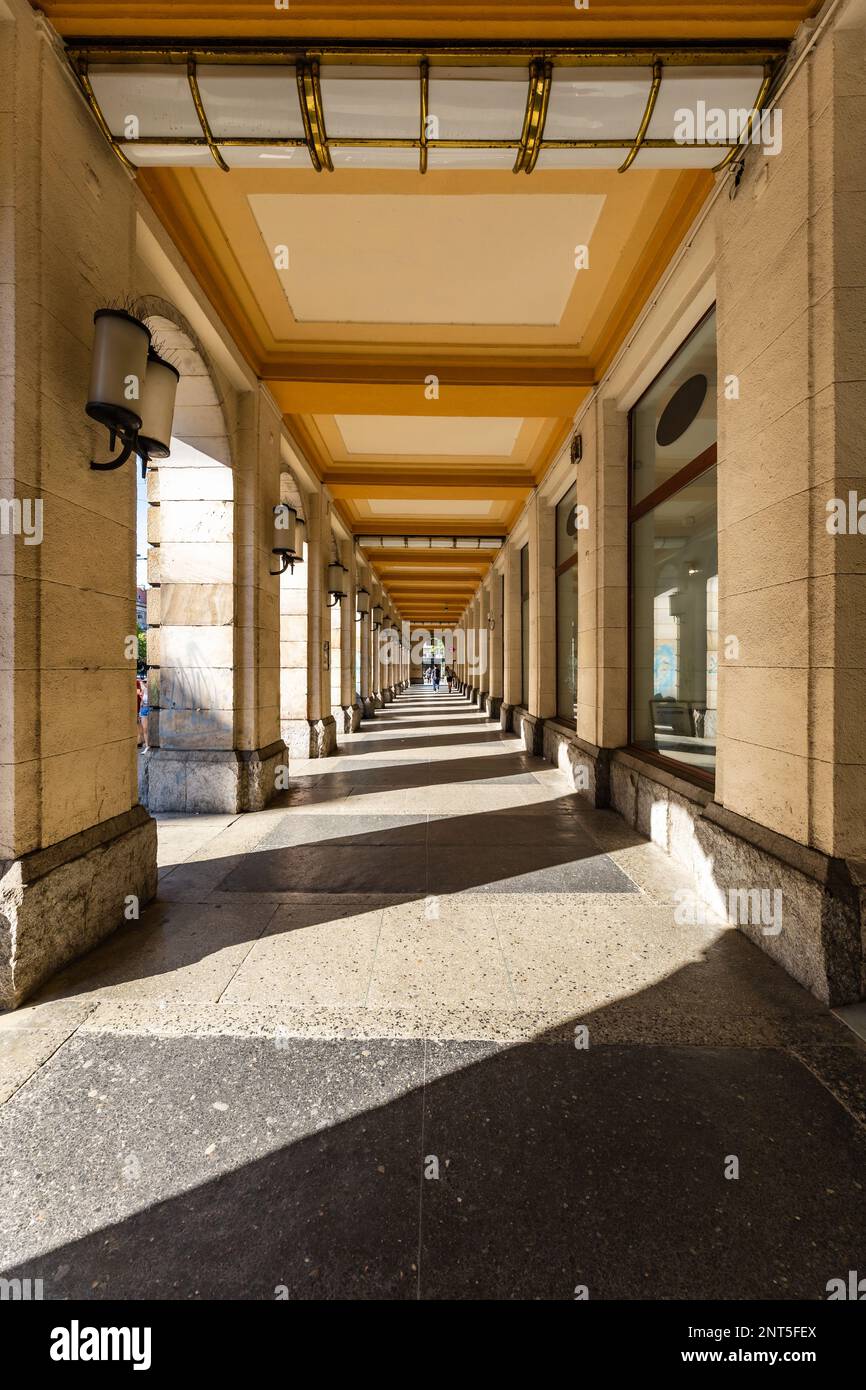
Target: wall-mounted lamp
576,448
362,604
337,583
132,389
377,617
491,623
285,541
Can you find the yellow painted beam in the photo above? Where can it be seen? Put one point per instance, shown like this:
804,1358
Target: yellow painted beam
531,401
471,487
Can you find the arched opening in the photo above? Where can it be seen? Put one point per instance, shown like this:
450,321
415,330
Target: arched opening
294,720
189,582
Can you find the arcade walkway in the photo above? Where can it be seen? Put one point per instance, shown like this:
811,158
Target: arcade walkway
342,1056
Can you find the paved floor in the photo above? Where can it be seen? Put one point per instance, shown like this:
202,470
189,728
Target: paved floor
427,1028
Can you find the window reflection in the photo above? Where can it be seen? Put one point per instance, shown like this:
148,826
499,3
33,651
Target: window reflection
674,560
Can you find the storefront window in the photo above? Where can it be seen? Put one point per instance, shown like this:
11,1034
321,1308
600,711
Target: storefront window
524,627
566,607
674,560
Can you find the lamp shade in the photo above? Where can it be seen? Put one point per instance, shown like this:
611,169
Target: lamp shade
362,601
285,528
336,580
377,616
157,406
118,369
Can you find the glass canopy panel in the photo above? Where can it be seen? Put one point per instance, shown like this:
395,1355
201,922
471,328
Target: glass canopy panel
253,102
471,159
371,102
164,156
478,103
266,157
375,157
583,159
597,103
691,91
157,97
680,157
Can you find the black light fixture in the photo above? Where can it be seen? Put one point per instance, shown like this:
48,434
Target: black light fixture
132,389
337,583
377,617
285,545
362,604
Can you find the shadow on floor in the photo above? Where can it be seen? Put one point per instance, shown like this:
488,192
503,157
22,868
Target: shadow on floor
558,1166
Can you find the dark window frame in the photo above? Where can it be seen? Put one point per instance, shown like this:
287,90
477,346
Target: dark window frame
685,475
557,571
525,652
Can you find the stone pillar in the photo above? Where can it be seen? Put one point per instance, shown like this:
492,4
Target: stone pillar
495,645
350,696
792,479
213,636
294,657
77,851
602,595
511,692
381,653
323,728
365,691
336,614
483,646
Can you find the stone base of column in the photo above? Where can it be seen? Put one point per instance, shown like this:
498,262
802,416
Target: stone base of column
57,903
310,738
505,717
481,700
586,766
209,780
492,705
822,907
368,707
351,718
529,728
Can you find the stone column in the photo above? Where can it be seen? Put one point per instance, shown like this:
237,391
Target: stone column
483,647
511,682
77,851
294,656
495,645
792,515
323,728
365,691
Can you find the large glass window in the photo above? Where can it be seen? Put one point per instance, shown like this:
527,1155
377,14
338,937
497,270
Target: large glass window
524,627
674,559
566,607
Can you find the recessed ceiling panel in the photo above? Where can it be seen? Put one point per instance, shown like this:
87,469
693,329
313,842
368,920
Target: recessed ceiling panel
425,436
439,507
421,259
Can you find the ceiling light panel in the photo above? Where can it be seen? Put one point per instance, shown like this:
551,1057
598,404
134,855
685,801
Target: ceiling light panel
372,157
257,103
261,156
478,103
597,103
470,158
682,89
157,98
371,103
582,159
168,156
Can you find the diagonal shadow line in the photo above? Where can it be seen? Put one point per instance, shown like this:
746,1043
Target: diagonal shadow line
322,787
324,878
433,741
558,1166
